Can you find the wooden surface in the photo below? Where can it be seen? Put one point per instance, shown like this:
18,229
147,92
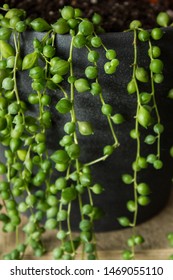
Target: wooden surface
110,244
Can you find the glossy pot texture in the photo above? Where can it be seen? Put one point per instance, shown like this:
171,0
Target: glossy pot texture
88,108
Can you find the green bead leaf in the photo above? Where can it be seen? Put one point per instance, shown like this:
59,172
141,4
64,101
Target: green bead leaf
127,179
143,200
6,49
109,68
108,150
86,236
29,60
82,85
21,154
127,255
36,72
143,189
60,156
117,119
73,151
15,12
156,66
3,123
13,108
124,221
62,215
28,164
63,106
87,209
86,27
15,143
163,19
138,239
144,117
85,128
3,75
57,253
170,93
158,128
131,87
142,75
61,26
85,179
135,24
150,139
85,225
97,189
69,194
59,66
40,25
131,206
5,33
4,218
3,168
51,224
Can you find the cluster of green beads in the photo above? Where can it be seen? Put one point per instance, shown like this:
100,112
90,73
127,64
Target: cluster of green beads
83,36
147,116
28,163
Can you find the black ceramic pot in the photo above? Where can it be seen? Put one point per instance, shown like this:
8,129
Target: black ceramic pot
108,173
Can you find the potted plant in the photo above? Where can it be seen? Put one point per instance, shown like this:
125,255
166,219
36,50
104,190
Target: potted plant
85,125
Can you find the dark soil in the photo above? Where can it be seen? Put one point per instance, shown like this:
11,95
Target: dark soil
117,14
